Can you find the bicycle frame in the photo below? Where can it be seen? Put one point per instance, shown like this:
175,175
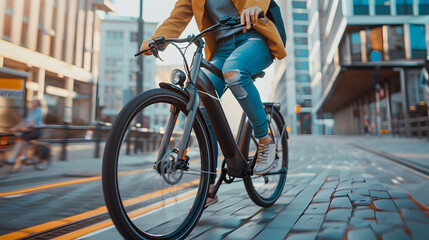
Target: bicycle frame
200,83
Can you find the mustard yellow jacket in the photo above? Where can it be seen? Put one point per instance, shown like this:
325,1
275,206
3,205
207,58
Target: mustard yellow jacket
185,9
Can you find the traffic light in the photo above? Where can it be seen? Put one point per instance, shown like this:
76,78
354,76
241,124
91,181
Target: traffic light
297,108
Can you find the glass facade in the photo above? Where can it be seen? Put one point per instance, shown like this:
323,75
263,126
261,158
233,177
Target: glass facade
382,7
356,46
423,7
396,42
417,41
300,16
300,40
361,7
299,4
404,7
300,28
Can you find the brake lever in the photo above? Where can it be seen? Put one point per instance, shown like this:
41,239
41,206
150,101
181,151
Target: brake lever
155,53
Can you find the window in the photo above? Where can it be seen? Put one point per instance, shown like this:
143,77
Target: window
299,4
300,16
133,37
404,7
114,35
302,78
300,40
307,90
375,41
423,7
360,7
417,41
300,28
301,53
396,42
382,7
301,65
356,46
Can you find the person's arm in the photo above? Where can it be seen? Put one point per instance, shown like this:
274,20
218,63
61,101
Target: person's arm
174,25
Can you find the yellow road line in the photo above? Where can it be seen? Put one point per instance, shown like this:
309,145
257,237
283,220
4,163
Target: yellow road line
107,223
58,223
70,182
64,183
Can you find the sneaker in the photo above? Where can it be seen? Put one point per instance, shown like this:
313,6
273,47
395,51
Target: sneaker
265,159
211,200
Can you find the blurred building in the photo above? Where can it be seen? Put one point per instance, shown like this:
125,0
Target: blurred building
292,86
57,43
366,63
118,66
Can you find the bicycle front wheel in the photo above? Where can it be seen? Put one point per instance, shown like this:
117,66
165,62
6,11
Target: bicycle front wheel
155,201
264,190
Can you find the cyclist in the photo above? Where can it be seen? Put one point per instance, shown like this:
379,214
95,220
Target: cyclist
239,53
26,126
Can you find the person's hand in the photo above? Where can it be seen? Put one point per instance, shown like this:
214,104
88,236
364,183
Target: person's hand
249,17
145,46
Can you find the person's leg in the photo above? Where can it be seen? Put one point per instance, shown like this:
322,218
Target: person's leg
251,56
16,150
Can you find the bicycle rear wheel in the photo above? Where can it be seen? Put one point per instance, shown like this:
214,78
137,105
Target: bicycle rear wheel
264,190
5,169
160,203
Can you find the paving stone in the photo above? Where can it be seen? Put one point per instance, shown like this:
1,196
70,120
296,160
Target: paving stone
332,233
362,208
342,193
398,194
330,184
361,191
308,223
332,178
284,200
317,208
339,214
248,210
389,217
379,194
386,205
215,233
358,222
363,201
360,185
380,228
414,215
323,195
376,186
359,234
285,220
334,224
344,185
341,202
264,216
364,213
354,196
271,233
231,222
300,236
397,234
419,231
246,231
358,179
405,203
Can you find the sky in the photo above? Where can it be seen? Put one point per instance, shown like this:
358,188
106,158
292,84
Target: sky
158,11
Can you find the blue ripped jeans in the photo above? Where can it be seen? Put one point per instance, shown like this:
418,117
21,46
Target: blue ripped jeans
244,55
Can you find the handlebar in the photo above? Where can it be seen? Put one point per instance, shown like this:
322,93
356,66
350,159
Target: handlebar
227,22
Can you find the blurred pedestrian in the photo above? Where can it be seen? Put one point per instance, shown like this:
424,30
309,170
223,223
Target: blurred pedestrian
366,124
27,130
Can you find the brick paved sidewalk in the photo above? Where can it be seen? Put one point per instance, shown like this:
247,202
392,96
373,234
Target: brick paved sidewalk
333,191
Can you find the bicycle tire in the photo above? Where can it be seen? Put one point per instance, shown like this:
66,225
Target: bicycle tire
261,196
5,169
129,226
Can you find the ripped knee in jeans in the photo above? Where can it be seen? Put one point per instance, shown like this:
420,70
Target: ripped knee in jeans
233,80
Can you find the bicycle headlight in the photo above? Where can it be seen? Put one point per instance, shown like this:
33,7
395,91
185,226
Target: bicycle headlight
177,77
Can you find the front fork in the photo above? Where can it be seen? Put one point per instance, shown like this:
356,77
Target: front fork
194,102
